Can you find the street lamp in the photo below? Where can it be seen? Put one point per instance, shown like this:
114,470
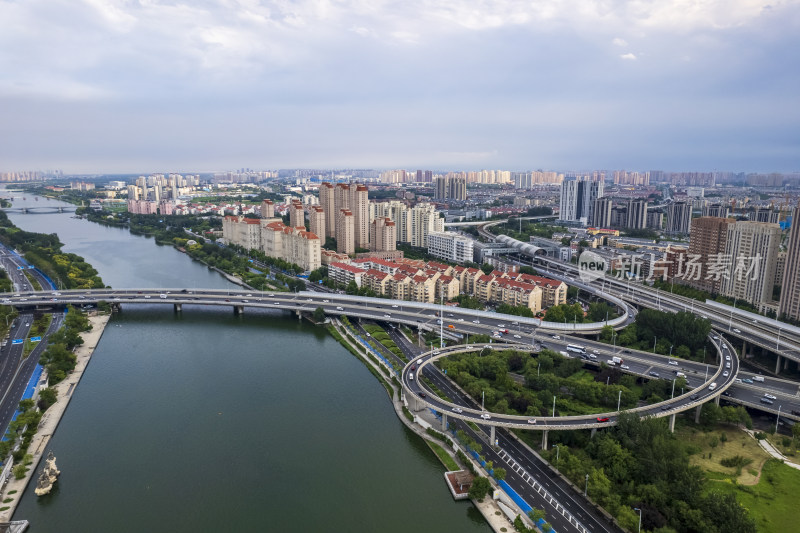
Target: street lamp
586,488
619,400
670,349
557,450
554,406
778,420
654,343
640,518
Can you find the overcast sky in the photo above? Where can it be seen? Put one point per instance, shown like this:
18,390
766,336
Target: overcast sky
152,85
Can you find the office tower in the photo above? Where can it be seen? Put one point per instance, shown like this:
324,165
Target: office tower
577,199
655,218
297,217
753,250
359,205
328,204
707,241
316,221
601,216
637,214
765,214
383,235
790,288
679,215
716,210
345,232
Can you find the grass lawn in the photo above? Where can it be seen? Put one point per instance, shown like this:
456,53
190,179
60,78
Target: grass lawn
773,502
444,457
708,456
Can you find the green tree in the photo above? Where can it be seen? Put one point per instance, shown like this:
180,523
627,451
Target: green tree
319,315
726,513
487,268
19,471
480,488
47,397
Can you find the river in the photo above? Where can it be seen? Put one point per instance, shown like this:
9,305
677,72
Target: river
206,421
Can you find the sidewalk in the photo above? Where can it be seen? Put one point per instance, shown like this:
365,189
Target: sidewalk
51,417
770,449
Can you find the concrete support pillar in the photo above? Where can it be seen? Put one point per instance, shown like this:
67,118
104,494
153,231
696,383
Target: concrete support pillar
744,349
591,435
778,365
716,399
544,439
178,307
492,437
238,309
444,422
672,422
697,414
299,315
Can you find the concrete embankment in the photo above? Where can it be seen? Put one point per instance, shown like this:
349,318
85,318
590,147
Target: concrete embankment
49,422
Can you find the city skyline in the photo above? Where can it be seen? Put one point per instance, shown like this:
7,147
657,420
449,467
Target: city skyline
117,87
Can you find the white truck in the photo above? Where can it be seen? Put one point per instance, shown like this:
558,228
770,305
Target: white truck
617,360
758,378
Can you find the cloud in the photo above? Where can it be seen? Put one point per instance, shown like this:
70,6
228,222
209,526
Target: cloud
619,42
628,56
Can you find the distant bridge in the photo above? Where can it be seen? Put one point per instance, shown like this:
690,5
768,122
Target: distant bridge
36,210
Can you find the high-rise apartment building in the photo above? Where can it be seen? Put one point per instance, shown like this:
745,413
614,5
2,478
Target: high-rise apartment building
450,188
679,216
383,235
790,288
423,219
297,218
359,205
397,212
753,249
716,210
765,214
601,214
577,199
655,218
267,209
316,221
328,204
345,232
707,242
275,239
450,246
637,214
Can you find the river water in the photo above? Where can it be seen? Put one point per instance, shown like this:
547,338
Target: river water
206,421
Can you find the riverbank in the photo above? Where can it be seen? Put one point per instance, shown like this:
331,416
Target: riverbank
14,489
488,507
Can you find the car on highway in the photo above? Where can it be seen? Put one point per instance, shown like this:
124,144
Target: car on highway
602,419
531,421
276,303
716,337
395,306
517,337
476,321
766,401
770,396
556,337
654,374
737,330
673,363
626,351
27,324
694,396
422,395
323,301
501,325
725,374
727,357
458,410
387,316
342,309
624,367
486,416
747,380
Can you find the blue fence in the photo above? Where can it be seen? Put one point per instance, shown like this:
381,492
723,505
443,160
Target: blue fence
29,389
374,351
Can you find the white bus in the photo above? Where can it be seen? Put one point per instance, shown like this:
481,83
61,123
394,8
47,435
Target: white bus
576,348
